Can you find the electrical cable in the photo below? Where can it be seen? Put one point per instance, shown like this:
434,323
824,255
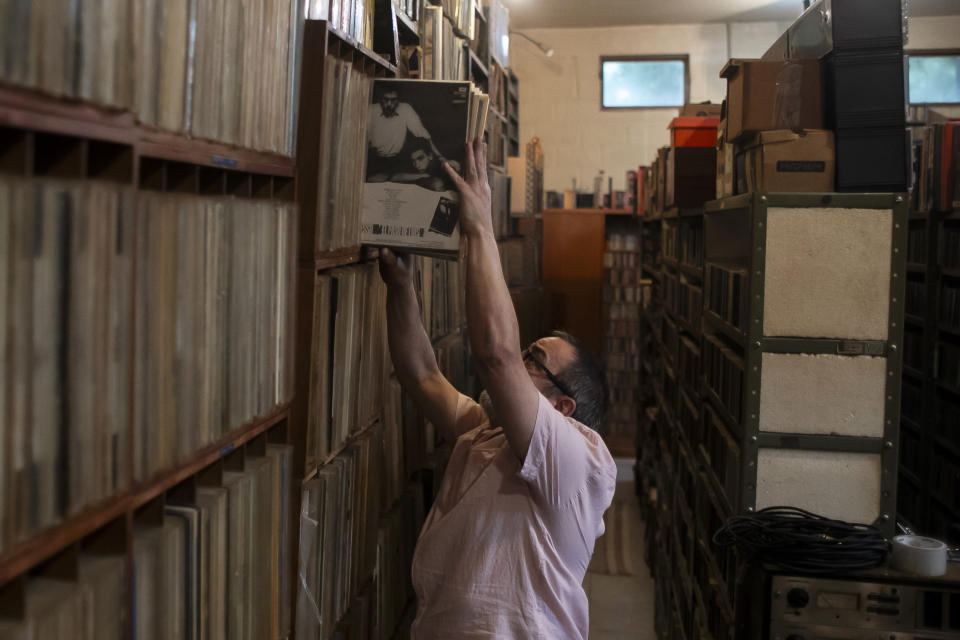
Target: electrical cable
804,542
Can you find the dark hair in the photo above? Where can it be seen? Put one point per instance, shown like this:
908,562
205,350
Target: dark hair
381,90
586,378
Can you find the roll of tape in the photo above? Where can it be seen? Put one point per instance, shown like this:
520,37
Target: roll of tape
919,555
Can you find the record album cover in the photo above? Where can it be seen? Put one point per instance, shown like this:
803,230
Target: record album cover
415,126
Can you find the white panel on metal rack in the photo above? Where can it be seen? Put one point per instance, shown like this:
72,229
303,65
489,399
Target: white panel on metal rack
841,485
822,394
827,273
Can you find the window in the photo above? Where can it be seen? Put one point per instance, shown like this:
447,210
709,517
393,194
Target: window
934,77
639,82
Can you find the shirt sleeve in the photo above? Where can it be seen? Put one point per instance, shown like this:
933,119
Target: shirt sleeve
470,415
565,459
412,120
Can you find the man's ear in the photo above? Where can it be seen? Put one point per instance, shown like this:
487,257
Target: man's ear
565,405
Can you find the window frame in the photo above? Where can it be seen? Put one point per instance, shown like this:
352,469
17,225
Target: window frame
679,57
925,53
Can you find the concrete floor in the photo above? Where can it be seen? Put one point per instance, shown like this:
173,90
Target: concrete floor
621,607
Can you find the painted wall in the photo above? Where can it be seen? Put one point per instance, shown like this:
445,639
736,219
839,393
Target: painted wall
560,96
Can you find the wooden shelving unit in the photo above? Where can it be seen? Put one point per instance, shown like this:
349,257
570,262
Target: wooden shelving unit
929,403
44,136
48,542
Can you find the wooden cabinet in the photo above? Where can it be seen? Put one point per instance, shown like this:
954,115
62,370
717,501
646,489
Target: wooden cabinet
573,246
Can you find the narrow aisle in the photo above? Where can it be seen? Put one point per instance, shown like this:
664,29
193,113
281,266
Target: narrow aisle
618,583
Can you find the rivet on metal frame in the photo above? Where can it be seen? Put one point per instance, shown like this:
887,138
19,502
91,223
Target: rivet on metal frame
888,444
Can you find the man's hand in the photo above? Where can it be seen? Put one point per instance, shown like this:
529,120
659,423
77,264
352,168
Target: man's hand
395,268
474,188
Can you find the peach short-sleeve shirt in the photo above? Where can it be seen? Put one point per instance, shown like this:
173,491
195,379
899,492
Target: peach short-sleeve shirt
505,547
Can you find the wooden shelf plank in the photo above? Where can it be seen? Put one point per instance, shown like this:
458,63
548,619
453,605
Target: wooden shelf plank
371,55
24,108
206,456
154,143
408,24
475,61
345,256
47,542
343,447
27,109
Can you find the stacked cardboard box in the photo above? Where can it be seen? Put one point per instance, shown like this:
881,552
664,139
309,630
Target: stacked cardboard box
772,136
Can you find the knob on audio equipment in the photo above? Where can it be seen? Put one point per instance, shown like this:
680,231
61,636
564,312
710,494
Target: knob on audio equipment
798,598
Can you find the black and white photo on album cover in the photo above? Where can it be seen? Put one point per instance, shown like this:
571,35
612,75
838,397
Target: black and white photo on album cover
413,127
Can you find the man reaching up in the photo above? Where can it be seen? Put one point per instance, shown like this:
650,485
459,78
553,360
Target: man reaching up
505,547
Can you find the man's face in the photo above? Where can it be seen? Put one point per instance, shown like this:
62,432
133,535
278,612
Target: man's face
389,103
556,354
421,160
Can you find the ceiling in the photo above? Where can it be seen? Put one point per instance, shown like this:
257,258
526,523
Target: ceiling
602,13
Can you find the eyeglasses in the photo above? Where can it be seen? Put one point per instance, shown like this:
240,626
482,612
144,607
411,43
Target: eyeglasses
528,356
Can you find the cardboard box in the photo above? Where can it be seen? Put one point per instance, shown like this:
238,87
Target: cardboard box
766,95
706,109
786,161
694,131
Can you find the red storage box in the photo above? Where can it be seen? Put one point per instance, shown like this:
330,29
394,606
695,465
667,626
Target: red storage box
694,131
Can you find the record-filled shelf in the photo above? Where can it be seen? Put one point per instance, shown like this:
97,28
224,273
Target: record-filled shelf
61,155
234,340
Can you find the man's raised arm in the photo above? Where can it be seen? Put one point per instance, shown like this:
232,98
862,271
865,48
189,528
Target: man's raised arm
491,319
410,349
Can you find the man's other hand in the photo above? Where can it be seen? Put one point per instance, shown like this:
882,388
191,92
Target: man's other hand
474,188
395,268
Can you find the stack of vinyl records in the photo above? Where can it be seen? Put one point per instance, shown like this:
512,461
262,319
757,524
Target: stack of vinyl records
442,305
498,17
219,566
84,50
91,607
349,363
66,280
214,328
462,14
938,183
499,183
343,154
622,296
445,54
338,525
409,7
216,70
394,471
353,18
396,540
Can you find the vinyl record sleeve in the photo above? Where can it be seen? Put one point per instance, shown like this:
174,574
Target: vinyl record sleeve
408,200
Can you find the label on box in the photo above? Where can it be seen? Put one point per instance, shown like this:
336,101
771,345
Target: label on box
801,166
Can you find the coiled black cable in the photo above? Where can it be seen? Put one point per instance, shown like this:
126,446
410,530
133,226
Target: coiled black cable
804,542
